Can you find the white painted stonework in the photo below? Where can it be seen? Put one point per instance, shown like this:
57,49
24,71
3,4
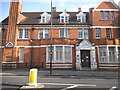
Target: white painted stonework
85,45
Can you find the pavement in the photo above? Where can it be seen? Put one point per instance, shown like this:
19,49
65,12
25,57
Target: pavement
86,73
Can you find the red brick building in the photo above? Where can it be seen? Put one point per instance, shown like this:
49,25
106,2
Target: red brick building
79,39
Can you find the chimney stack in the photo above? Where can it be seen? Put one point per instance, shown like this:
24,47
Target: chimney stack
54,9
79,10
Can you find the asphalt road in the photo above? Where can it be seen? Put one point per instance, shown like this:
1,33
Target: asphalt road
61,82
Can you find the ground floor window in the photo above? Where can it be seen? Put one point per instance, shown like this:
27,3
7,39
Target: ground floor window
112,54
21,56
60,54
102,54
119,54
109,55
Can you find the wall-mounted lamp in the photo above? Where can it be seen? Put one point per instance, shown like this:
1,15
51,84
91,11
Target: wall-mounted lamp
77,44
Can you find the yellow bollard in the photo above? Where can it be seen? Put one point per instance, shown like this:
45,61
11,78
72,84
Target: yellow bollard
33,77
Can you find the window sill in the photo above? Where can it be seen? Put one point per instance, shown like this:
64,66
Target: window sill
20,62
23,39
106,20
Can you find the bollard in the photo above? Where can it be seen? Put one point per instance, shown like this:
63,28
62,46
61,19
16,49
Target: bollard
33,77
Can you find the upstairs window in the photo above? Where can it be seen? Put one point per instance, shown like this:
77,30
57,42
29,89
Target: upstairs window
64,33
43,33
97,32
118,32
45,17
108,32
107,15
101,15
64,17
23,34
81,17
112,16
83,33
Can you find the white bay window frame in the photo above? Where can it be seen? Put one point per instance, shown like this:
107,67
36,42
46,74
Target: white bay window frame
54,59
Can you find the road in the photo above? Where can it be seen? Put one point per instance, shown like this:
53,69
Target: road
61,82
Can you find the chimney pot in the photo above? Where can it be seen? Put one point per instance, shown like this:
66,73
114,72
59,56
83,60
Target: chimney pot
54,9
79,10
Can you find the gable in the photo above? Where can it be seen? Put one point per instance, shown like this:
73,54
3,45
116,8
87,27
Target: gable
10,45
107,5
85,44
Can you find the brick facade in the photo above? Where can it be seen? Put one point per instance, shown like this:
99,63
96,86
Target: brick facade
34,51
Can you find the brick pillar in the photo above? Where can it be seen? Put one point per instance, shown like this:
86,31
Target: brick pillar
9,53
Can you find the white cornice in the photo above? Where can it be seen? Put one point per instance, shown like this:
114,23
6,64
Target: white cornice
106,10
104,27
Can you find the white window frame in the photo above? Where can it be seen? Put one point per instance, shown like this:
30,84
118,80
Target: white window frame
98,34
63,54
24,34
84,33
101,15
112,15
81,17
118,54
112,55
45,17
44,33
21,55
108,33
66,33
107,15
103,55
64,17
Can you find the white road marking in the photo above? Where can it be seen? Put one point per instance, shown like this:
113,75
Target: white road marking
113,88
70,85
58,84
74,86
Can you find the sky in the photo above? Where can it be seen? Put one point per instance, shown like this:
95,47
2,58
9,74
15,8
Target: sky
45,6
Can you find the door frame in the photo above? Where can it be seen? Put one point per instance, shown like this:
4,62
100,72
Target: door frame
85,45
89,59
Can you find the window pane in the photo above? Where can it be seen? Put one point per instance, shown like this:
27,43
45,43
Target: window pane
112,16
85,33
107,15
62,33
26,34
108,32
101,15
119,54
59,55
20,34
41,34
49,53
80,33
111,54
118,32
102,54
97,32
46,33
21,57
67,32
67,54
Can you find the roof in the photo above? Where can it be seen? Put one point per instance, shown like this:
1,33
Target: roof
107,5
33,18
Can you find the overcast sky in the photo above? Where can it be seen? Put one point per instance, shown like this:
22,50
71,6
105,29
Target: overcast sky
44,5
